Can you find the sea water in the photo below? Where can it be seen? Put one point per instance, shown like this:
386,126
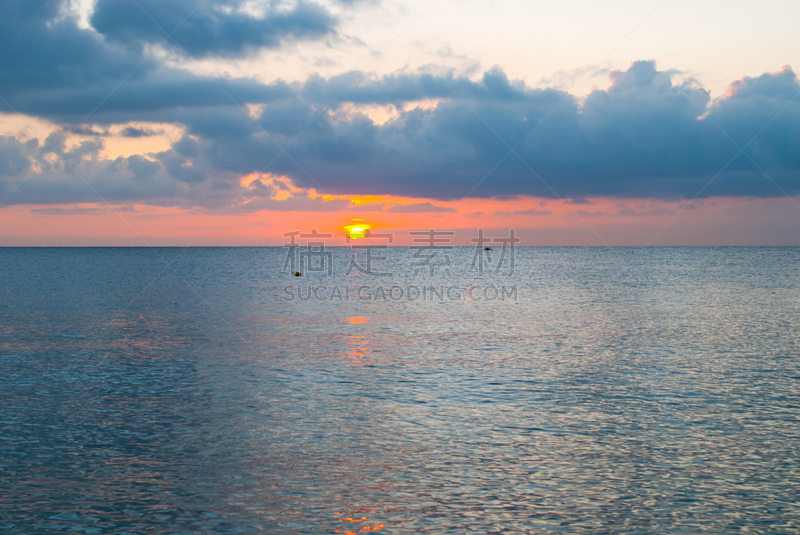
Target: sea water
571,390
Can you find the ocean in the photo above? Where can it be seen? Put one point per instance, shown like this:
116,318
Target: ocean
553,390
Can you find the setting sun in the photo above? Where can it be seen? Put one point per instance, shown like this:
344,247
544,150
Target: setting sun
356,231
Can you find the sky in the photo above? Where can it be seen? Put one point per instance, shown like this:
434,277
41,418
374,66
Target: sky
229,122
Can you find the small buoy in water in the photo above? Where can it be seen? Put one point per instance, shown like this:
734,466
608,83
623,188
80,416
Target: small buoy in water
297,273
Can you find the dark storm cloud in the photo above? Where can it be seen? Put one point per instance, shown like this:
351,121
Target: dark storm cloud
210,27
643,137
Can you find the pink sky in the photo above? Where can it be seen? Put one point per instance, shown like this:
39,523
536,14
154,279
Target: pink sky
603,221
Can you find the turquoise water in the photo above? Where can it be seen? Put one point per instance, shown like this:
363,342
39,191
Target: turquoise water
614,390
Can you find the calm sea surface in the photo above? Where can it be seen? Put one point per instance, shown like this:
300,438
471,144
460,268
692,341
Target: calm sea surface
592,390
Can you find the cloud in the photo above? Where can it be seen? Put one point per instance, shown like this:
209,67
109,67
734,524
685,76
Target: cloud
130,131
51,52
418,208
578,200
13,158
584,213
64,73
358,87
529,211
645,136
630,212
78,210
86,130
211,28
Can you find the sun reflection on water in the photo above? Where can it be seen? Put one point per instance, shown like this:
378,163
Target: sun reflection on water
360,350
354,518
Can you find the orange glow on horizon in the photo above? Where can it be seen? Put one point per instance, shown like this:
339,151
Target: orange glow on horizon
713,221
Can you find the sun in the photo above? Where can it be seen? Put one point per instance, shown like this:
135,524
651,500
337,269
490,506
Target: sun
356,230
